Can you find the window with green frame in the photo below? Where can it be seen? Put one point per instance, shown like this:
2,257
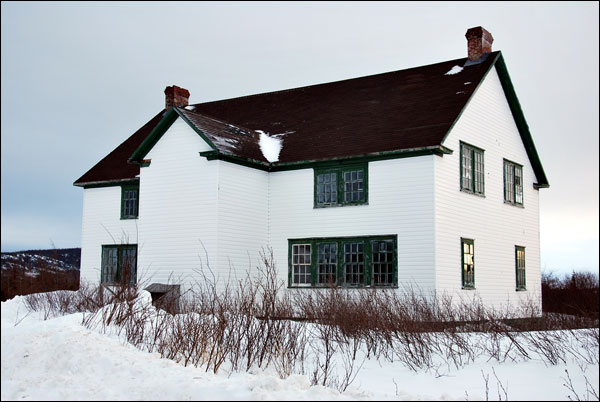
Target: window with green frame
341,185
343,261
520,267
513,183
471,169
130,200
119,264
467,247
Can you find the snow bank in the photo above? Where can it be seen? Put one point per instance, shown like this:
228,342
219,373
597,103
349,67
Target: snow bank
59,359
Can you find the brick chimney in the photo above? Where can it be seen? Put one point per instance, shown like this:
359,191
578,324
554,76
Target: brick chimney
176,96
479,42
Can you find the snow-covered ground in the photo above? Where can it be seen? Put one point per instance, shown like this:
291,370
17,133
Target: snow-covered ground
59,359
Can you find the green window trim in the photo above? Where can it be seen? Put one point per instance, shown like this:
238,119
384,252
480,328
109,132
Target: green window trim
467,249
472,169
351,262
520,273
513,183
130,201
113,260
349,184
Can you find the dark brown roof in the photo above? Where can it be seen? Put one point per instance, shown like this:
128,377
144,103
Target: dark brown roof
399,110
404,109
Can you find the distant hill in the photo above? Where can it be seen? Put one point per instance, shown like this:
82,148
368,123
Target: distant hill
64,259
34,271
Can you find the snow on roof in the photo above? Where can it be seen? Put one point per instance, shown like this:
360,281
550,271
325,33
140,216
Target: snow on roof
226,143
454,70
269,146
191,107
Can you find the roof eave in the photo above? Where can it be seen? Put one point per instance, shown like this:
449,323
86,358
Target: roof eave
439,150
105,183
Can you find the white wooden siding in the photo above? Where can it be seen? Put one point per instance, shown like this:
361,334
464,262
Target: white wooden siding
243,218
102,225
495,227
400,202
178,209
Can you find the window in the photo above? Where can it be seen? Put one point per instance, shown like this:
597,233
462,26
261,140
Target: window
471,169
119,264
343,261
341,186
513,183
129,201
468,263
520,267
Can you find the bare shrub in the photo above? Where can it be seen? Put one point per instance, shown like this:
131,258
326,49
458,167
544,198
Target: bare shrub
253,322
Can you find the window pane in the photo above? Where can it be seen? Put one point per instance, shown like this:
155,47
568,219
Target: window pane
468,268
327,188
520,267
109,265
127,265
479,171
509,182
353,186
301,255
518,184
383,262
327,266
353,262
466,174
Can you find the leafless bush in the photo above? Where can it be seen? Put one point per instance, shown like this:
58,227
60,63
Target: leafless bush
53,304
249,323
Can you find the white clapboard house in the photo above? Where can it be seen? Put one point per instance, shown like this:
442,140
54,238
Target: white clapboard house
425,177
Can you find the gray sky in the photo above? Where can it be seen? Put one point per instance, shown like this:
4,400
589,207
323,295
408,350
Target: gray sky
79,78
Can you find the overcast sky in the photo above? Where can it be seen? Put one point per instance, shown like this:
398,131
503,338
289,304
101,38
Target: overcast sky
79,78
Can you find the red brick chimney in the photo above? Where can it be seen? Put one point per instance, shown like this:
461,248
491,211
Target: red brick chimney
176,96
479,42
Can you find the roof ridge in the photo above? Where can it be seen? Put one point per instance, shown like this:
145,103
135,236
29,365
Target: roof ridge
330,82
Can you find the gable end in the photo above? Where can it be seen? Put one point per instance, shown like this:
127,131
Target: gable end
161,128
